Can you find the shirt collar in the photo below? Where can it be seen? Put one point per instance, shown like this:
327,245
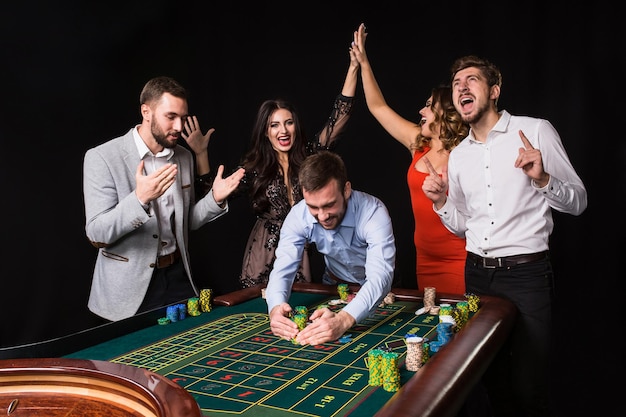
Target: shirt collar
143,149
499,127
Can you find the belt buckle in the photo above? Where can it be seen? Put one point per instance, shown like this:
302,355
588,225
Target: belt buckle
496,264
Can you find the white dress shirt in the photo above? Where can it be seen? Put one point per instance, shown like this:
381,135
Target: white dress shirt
495,205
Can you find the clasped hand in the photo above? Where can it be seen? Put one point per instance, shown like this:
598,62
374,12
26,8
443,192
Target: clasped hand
324,325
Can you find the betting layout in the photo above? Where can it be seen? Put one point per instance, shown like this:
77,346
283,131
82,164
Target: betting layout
236,365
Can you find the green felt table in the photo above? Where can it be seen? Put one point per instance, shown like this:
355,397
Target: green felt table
231,363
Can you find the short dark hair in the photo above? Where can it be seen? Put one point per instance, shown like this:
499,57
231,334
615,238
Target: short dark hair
156,87
489,70
320,168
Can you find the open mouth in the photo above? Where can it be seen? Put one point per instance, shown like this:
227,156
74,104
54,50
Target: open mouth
284,141
465,101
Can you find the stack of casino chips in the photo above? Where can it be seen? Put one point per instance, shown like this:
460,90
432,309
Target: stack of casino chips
389,299
429,297
444,334
300,320
176,312
391,371
460,315
343,290
300,316
374,364
473,301
445,314
172,313
301,310
429,302
206,298
193,306
182,311
425,351
414,352
457,316
445,310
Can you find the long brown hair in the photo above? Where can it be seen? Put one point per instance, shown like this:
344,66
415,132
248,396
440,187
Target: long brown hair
261,160
452,128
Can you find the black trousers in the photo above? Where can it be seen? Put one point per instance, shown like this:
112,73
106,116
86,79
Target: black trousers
518,380
168,286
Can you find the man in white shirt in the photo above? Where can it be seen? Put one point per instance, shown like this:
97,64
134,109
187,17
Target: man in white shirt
498,191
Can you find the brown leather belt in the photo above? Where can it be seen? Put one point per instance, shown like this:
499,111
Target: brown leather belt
167,260
506,261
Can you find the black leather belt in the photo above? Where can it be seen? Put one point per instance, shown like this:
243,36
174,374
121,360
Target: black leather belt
506,261
167,260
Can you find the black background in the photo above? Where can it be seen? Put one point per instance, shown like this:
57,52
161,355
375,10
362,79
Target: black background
73,72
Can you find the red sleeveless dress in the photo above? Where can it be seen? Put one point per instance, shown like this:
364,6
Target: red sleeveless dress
440,253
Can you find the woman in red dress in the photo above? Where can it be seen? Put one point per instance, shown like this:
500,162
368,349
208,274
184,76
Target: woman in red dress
440,253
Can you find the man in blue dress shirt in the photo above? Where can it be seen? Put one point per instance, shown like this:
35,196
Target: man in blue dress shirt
352,230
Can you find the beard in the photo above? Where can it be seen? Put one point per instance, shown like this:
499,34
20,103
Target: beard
477,115
161,137
335,219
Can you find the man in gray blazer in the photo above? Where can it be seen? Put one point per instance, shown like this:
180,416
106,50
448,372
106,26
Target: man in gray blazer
140,205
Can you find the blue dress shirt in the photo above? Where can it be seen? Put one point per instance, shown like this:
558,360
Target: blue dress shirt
360,250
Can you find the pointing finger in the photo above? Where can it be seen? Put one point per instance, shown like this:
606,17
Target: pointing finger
525,141
430,167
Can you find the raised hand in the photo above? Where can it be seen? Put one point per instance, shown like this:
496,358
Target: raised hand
357,48
435,186
150,187
529,159
194,137
223,187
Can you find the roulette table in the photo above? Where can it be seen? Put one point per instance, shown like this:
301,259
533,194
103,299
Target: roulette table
229,362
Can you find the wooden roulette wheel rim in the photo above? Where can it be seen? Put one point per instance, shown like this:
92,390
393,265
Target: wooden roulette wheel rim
54,387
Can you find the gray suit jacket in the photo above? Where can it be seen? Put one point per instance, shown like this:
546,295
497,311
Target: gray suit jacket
126,236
